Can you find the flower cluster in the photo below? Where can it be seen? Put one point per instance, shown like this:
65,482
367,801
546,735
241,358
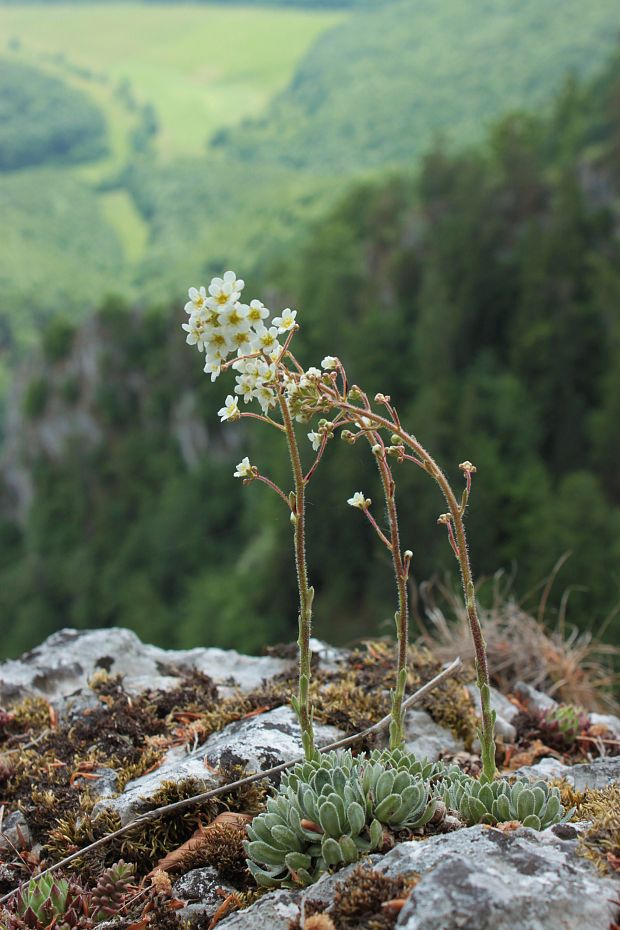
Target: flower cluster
220,325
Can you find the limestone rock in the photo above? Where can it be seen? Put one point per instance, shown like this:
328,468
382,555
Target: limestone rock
15,833
273,912
535,700
609,721
504,709
178,766
65,662
204,891
483,878
264,741
593,775
424,737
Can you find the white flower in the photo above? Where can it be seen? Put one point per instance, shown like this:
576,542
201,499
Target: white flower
267,372
266,397
244,469
197,299
241,340
257,312
195,330
358,500
224,291
230,411
246,385
213,367
246,366
235,316
329,363
286,321
266,340
316,440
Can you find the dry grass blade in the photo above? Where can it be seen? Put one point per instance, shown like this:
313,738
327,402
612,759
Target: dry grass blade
573,666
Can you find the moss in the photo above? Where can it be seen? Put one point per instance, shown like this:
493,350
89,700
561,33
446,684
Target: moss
365,900
601,842
449,704
50,781
77,830
343,703
31,716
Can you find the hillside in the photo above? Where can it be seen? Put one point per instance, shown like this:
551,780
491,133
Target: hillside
43,121
371,93
483,296
322,98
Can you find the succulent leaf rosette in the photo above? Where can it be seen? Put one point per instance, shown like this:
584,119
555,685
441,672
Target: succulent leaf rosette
331,811
534,804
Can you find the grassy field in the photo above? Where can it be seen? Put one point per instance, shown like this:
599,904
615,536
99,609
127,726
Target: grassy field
297,104
202,67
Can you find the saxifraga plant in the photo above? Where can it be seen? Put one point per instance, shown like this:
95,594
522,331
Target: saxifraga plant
267,372
221,326
330,812
332,394
237,335
533,804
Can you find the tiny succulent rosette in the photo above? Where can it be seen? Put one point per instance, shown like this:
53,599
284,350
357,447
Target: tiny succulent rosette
534,804
331,811
52,902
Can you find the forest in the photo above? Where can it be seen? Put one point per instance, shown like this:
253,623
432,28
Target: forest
480,290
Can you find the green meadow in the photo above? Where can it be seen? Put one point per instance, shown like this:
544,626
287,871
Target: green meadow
204,67
226,131
186,71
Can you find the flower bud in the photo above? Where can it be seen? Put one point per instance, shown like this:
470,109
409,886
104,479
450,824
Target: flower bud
355,393
347,436
468,467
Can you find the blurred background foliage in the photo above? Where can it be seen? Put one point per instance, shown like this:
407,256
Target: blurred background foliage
448,224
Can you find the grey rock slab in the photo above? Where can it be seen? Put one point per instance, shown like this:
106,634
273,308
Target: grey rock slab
14,833
609,721
593,775
273,912
199,884
178,766
484,879
424,737
263,742
535,700
500,704
504,709
204,891
105,785
65,662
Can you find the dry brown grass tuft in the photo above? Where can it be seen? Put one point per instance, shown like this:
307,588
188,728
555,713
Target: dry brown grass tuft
573,666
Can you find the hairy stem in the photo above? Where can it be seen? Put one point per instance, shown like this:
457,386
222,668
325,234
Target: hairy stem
301,704
486,731
401,617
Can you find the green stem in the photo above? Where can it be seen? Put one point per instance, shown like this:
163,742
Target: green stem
487,729
301,704
397,725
